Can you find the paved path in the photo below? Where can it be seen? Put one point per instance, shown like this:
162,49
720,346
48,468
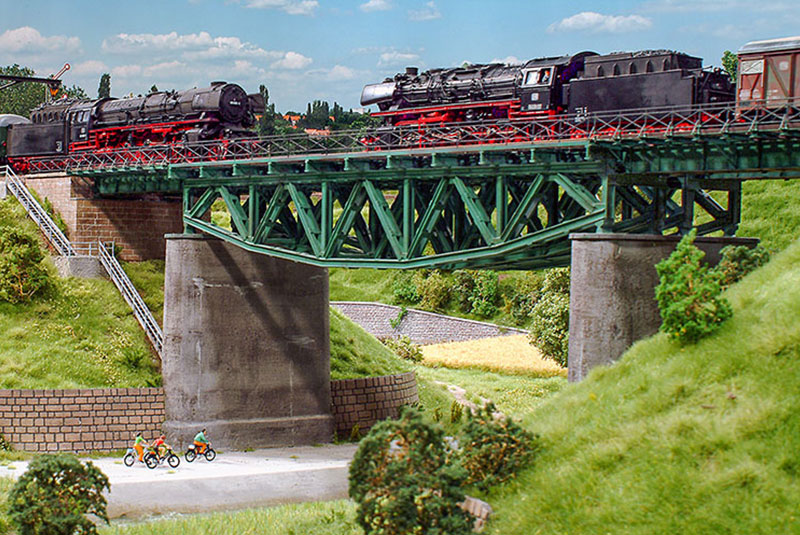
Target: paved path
235,480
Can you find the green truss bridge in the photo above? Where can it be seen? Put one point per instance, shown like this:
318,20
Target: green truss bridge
468,196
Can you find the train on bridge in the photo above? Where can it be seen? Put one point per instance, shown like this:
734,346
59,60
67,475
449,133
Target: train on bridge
68,126
542,99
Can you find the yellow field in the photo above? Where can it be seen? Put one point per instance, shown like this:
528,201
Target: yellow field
510,354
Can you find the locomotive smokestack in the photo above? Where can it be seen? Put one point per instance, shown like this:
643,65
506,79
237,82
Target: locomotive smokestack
412,71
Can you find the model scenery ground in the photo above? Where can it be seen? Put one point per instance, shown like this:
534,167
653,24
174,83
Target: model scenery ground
702,439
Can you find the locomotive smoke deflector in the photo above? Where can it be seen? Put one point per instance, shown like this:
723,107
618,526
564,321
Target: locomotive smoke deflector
375,93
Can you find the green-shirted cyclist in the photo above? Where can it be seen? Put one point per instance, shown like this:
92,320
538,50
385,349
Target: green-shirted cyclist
139,444
201,442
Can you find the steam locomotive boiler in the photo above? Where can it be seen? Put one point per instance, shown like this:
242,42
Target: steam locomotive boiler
579,84
69,126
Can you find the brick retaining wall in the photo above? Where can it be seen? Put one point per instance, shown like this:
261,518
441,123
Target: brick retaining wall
96,419
106,419
135,223
366,401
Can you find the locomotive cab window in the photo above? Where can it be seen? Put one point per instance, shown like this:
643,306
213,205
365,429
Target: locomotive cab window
538,77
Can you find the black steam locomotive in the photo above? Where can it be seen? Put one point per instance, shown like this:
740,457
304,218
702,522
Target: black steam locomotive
70,126
579,84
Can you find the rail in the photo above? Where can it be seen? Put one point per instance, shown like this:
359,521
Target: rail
48,227
645,123
132,297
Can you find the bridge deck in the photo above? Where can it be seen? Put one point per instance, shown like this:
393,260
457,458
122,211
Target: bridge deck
504,196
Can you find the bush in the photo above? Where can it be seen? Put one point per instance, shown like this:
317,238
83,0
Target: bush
404,288
549,330
519,302
494,449
433,289
739,260
688,294
477,291
404,347
22,273
54,496
405,481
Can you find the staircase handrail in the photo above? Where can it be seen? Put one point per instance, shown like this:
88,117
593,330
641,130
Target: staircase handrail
132,297
35,211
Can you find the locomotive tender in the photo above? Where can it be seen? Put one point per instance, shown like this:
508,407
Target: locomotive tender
579,84
68,126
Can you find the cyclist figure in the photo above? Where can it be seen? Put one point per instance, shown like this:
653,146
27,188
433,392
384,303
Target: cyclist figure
139,444
158,446
201,442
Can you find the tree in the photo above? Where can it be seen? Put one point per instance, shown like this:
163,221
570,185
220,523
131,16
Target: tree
266,124
21,98
55,494
689,294
104,91
731,64
153,89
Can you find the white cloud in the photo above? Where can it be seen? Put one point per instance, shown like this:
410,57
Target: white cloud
376,5
429,12
292,60
396,58
340,72
126,71
88,68
292,7
28,41
597,22
508,60
193,46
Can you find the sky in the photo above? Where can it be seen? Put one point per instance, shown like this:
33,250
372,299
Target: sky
305,50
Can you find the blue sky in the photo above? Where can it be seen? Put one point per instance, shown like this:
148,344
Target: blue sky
324,49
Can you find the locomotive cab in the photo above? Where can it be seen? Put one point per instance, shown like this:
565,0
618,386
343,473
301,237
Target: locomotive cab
542,82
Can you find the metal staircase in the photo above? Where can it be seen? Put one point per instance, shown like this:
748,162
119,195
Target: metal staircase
48,227
134,300
109,262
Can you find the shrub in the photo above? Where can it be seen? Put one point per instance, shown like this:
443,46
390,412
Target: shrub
404,288
494,449
433,288
477,291
22,273
688,294
739,260
405,348
520,300
404,480
54,496
549,330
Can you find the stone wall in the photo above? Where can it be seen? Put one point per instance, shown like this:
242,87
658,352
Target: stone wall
97,419
137,223
420,326
106,419
366,401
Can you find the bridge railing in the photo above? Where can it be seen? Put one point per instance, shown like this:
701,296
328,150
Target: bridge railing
650,122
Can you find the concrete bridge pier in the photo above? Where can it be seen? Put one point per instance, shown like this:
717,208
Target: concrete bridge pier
612,292
246,347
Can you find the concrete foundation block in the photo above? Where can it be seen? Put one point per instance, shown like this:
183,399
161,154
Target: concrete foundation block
612,292
84,267
246,347
3,190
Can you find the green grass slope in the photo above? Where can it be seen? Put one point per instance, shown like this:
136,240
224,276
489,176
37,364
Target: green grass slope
771,212
701,439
